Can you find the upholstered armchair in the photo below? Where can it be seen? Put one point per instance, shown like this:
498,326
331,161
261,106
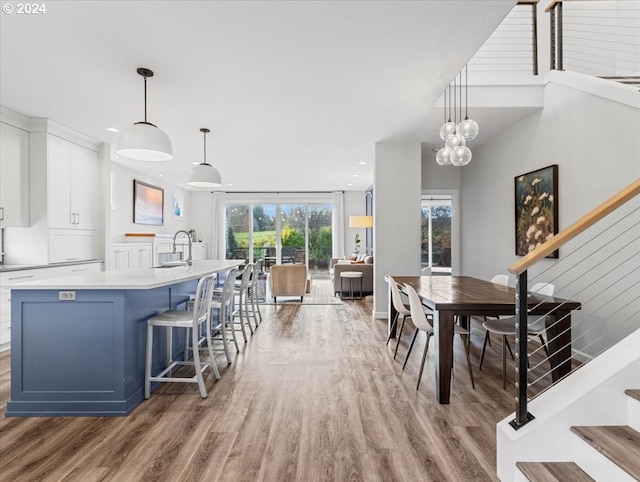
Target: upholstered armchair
288,280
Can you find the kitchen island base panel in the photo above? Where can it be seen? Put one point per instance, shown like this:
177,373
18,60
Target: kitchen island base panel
86,357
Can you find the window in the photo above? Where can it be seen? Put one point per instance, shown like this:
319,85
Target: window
436,233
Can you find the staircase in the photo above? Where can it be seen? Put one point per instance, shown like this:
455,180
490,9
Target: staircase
604,453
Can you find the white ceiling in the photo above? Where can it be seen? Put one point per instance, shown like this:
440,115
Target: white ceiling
296,94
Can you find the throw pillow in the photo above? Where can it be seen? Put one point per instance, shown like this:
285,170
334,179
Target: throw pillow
368,259
358,262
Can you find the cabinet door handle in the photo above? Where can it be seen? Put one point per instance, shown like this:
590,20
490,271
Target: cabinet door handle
73,218
1,214
21,277
78,221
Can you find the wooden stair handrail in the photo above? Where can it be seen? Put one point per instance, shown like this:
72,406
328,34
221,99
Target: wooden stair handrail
576,228
553,3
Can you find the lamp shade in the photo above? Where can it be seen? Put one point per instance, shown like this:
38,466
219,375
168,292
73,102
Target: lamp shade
144,142
204,175
360,221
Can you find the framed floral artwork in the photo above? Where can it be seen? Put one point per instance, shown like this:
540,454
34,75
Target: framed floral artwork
536,209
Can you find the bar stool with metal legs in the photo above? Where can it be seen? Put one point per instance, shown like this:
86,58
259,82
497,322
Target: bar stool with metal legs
242,301
254,282
222,327
191,321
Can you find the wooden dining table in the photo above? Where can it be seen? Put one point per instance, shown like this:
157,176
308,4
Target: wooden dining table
465,296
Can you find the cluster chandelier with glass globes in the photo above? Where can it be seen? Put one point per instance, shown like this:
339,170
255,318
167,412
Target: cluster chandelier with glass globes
455,135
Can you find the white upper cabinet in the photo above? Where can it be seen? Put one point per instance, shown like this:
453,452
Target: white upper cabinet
72,185
14,177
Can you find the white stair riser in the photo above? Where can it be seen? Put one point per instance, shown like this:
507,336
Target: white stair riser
634,414
595,464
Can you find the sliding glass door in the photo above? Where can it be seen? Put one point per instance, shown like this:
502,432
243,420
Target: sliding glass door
280,233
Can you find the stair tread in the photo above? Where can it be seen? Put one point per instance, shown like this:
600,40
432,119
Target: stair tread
633,393
553,472
619,443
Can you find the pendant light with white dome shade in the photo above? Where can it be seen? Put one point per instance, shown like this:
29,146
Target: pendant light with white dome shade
204,174
143,141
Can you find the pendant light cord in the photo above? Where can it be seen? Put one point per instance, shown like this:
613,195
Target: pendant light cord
145,100
205,147
466,92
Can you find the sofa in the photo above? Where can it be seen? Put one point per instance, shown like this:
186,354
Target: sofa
364,265
288,280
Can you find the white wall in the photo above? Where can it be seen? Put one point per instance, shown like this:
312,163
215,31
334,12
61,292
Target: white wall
396,216
593,139
121,205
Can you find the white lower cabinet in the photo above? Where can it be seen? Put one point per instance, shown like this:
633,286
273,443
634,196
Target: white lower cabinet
198,250
140,256
131,256
12,278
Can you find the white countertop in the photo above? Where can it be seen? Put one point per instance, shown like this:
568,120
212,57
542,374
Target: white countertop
139,279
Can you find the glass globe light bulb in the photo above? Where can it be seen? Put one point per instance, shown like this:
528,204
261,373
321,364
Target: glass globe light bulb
447,129
461,156
443,157
454,141
468,129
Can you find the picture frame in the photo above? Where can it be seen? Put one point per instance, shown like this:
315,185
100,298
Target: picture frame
148,204
536,209
177,207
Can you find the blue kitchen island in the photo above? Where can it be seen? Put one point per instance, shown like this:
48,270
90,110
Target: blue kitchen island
78,343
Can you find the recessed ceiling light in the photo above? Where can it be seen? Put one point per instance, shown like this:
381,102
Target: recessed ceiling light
362,163
195,163
229,184
354,175
350,184
160,175
113,129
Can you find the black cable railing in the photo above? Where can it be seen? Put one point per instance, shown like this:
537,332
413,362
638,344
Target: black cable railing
598,272
598,38
513,46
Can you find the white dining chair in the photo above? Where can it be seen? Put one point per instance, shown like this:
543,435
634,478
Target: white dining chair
401,310
419,318
536,325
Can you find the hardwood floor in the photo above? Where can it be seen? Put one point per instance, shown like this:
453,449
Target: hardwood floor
314,395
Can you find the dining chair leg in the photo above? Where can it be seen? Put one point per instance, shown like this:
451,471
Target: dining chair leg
393,327
544,345
467,347
395,352
484,347
509,348
504,362
424,357
413,340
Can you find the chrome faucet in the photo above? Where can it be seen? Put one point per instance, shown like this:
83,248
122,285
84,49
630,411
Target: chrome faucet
189,259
